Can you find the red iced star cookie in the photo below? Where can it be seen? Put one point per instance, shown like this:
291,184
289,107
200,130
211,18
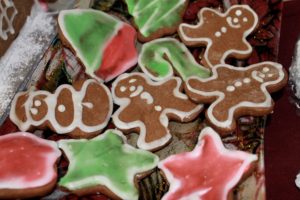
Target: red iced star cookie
210,171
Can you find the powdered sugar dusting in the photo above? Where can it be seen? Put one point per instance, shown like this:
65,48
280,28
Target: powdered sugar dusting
22,56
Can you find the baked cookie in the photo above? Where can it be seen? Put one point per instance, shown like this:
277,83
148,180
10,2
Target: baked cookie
80,111
210,171
223,34
158,58
28,166
110,166
146,108
156,18
237,91
103,44
13,15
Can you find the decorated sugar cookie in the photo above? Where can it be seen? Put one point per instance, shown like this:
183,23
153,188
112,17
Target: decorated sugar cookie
105,164
146,108
224,34
27,165
210,171
104,44
158,58
81,111
236,91
156,18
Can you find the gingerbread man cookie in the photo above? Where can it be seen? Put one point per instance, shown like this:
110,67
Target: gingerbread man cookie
81,111
236,91
210,171
224,34
147,106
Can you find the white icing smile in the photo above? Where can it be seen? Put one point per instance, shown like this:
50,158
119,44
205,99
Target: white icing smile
137,92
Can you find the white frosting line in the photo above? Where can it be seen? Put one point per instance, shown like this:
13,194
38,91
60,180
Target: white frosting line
124,102
265,104
209,41
9,5
147,96
137,92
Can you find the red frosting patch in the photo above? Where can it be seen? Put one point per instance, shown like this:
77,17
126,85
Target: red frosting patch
119,55
209,172
25,158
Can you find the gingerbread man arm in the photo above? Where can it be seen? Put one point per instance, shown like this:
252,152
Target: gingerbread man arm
188,32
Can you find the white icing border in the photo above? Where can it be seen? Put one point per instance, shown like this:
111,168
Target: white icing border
124,102
209,41
51,101
20,183
267,103
175,183
102,180
166,51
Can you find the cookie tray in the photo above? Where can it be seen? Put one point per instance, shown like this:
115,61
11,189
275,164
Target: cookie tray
58,65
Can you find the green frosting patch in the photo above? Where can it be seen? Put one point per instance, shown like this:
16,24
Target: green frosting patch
159,56
150,16
105,160
88,32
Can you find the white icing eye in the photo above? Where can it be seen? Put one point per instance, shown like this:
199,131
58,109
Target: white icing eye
235,20
122,88
246,80
238,84
224,29
61,108
37,103
238,13
218,34
270,75
230,88
266,69
132,88
245,19
34,111
132,80
158,108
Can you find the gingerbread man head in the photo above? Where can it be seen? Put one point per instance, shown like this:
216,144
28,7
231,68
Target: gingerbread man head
242,17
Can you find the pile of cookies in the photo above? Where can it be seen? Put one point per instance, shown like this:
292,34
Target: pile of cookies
168,85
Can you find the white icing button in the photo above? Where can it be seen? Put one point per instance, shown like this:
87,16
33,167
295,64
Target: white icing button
34,111
238,13
246,80
158,108
238,84
132,80
266,69
61,108
37,103
245,19
123,88
218,34
224,29
235,20
132,88
230,88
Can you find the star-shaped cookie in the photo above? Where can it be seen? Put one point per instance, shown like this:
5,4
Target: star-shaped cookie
105,164
223,34
237,91
210,171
